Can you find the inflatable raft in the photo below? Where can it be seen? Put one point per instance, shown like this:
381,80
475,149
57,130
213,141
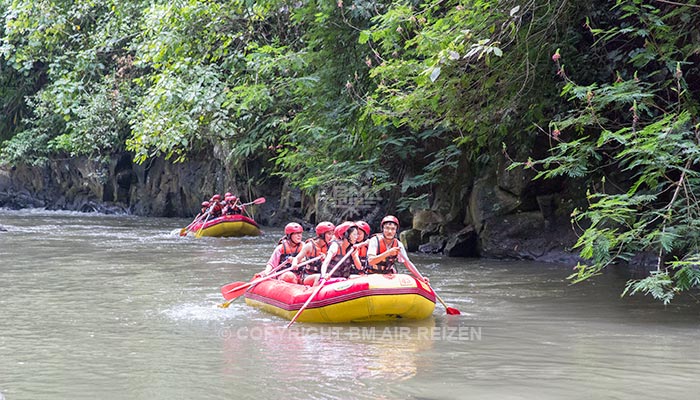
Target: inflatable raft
365,298
226,226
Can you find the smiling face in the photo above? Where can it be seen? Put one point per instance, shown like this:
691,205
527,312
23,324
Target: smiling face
352,234
296,237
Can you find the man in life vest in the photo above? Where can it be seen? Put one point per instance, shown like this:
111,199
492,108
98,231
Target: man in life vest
288,247
313,248
346,236
384,250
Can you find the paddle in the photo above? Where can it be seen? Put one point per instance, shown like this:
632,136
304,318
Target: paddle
199,232
237,289
234,290
319,286
241,207
184,230
414,270
259,200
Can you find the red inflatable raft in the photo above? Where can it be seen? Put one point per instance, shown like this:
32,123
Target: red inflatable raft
365,298
226,226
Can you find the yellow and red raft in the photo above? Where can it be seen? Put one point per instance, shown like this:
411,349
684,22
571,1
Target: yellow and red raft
226,226
365,298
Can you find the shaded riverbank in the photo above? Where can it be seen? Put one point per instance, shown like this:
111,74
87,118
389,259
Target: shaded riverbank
498,216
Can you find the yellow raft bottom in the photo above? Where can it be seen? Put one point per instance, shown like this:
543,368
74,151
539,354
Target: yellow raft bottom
364,309
231,229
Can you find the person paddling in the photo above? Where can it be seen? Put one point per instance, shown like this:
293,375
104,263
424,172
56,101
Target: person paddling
215,202
312,248
384,250
289,246
205,208
346,236
231,206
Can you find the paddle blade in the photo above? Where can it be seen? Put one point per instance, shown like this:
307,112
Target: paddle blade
233,290
183,232
452,311
226,304
259,200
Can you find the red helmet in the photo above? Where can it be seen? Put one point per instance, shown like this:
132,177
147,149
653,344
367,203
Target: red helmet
342,229
205,204
389,218
324,227
228,194
293,227
364,226
216,197
228,198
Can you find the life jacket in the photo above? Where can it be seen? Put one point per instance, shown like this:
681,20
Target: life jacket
315,267
345,269
289,250
386,266
216,210
233,207
362,253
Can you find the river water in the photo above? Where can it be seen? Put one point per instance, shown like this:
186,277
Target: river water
121,307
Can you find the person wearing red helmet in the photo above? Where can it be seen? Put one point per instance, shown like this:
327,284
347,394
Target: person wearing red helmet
312,248
205,208
202,214
288,247
384,250
361,245
216,207
346,237
365,230
232,206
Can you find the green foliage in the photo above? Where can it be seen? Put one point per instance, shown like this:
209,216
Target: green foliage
71,54
389,95
452,65
638,141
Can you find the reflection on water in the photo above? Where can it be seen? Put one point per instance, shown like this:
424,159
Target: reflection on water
120,307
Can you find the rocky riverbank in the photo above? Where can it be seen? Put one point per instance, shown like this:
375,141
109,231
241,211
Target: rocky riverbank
497,213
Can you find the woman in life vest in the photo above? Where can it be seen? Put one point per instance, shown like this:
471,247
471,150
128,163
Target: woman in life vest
346,237
288,247
384,250
313,248
364,233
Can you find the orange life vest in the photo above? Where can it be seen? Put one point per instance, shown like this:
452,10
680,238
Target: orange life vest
362,253
317,250
386,266
345,269
289,250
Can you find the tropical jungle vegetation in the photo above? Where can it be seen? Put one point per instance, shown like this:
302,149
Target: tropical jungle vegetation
395,94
